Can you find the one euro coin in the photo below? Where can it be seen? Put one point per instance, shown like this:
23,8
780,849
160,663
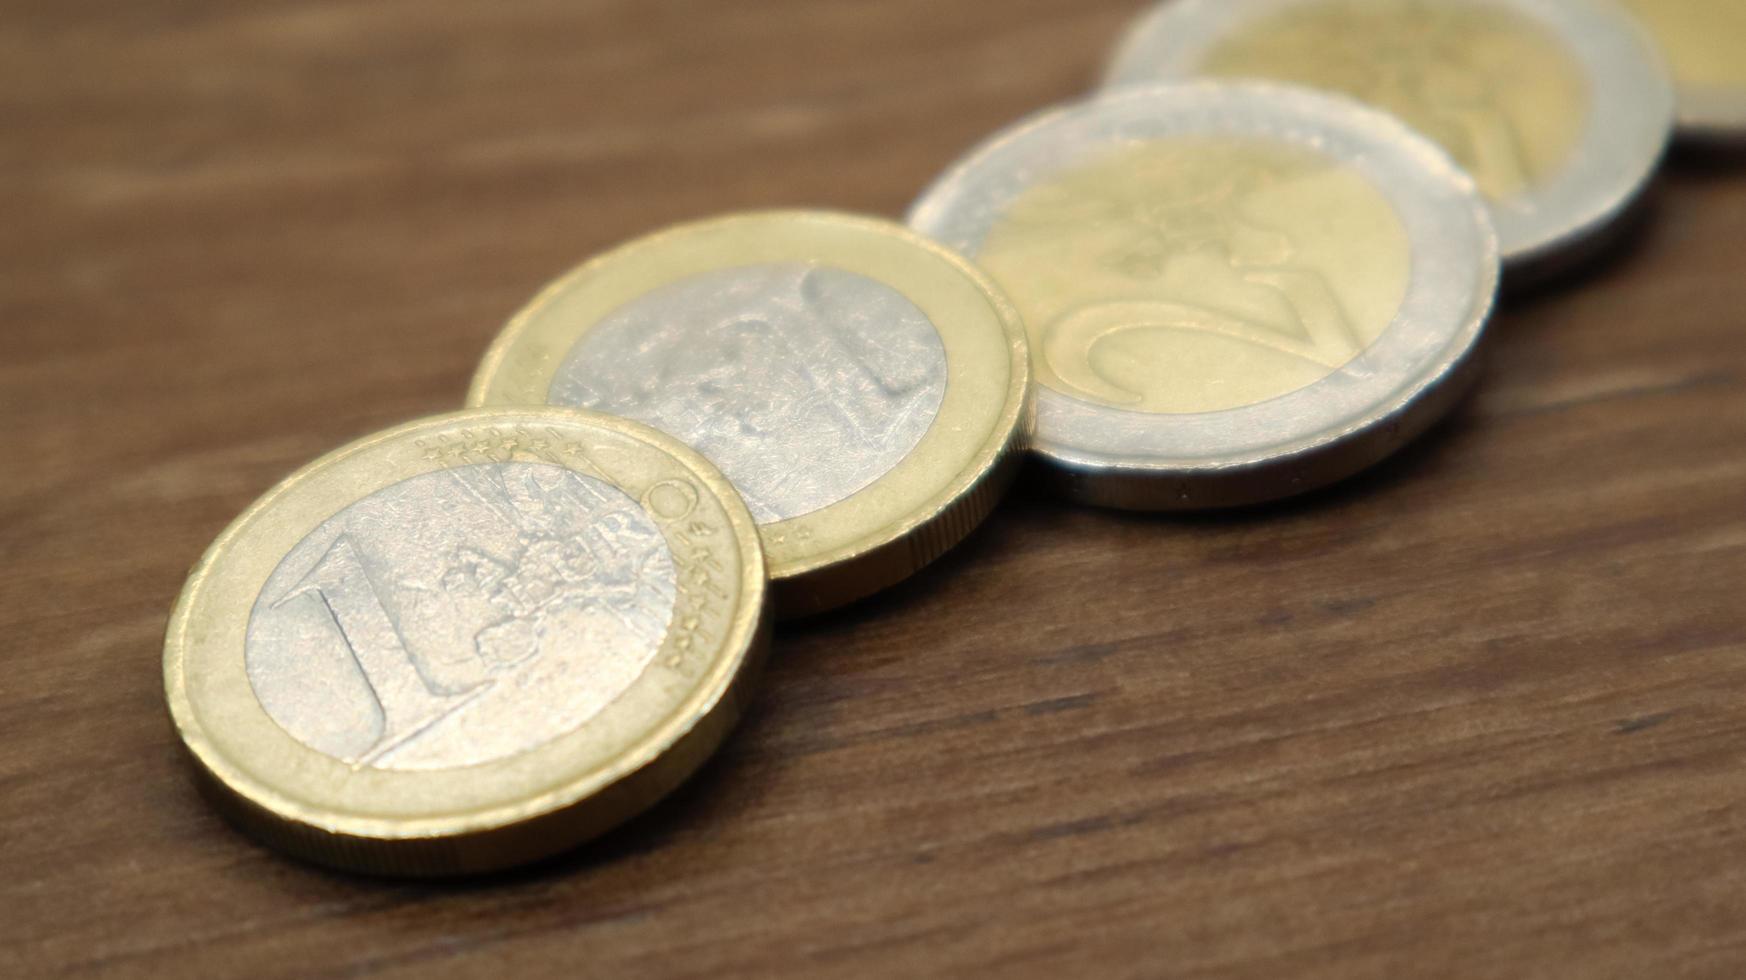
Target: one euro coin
468,643
866,390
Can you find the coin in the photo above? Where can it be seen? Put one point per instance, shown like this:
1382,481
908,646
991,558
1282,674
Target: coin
866,390
1560,109
1704,42
1236,291
469,642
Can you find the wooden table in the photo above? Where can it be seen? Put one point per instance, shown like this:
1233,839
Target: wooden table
1481,713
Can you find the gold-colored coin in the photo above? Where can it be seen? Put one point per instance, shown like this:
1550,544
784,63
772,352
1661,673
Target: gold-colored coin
1705,45
469,642
866,390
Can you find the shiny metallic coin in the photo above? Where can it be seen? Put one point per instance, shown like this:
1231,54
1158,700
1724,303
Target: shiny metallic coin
469,642
1560,109
1704,42
866,391
1236,292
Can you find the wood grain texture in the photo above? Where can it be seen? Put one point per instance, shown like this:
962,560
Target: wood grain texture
1480,713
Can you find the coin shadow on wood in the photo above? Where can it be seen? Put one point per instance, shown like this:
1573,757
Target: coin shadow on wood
1707,160
904,597
1608,252
689,811
683,814
1420,459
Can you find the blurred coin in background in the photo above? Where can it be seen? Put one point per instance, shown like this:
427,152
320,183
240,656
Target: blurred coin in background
1560,109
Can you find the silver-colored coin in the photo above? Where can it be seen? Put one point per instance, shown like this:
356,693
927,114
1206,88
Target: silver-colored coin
1235,291
461,616
1560,109
760,366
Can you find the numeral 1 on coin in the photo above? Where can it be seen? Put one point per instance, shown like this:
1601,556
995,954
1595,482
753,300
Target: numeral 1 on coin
408,701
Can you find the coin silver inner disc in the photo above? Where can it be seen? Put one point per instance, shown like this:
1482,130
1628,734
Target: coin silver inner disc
1217,274
461,616
1560,109
803,383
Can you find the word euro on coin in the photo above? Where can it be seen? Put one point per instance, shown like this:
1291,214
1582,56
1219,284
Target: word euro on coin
1236,292
866,391
470,642
1559,109
1704,42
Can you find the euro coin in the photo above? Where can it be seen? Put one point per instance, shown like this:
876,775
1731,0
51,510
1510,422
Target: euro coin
1236,292
1704,42
866,390
469,642
1561,110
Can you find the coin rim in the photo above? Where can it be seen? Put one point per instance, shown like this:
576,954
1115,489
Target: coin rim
1631,117
474,838
882,555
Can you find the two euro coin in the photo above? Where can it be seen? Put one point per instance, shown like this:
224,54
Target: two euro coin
1235,292
1560,109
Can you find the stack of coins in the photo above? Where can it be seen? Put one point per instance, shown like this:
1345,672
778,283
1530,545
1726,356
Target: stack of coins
1263,259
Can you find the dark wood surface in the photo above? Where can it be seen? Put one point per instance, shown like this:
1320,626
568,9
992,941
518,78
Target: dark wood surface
1480,713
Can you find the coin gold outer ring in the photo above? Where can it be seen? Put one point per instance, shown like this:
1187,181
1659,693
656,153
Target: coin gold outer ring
1431,354
1572,215
499,814
912,514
